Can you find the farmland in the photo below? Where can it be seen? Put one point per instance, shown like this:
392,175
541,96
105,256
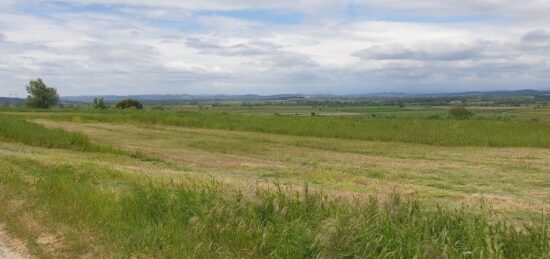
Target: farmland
277,181
274,129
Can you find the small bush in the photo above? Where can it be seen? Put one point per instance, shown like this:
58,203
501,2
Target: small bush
401,104
158,108
129,103
99,103
460,113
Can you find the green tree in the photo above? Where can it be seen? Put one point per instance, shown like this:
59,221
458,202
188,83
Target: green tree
129,103
460,113
40,95
99,103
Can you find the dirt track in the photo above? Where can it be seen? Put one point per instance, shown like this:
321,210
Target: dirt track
7,247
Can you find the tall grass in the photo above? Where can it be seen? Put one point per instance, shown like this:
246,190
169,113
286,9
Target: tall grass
132,218
19,130
490,133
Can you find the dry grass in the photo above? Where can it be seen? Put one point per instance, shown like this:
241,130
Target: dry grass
519,177
79,195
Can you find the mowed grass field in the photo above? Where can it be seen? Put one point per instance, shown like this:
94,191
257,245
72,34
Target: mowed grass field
439,132
211,184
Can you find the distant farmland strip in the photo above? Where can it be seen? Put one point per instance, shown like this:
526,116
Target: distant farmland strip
490,133
18,130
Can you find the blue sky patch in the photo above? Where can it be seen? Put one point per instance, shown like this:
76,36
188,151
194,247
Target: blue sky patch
263,16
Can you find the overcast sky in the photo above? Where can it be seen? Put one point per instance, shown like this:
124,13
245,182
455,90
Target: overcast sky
98,47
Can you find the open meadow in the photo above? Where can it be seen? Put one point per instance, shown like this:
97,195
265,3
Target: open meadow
275,129
277,182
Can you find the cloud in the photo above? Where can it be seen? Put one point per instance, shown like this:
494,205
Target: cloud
248,48
506,8
217,5
166,46
426,53
537,36
466,7
171,14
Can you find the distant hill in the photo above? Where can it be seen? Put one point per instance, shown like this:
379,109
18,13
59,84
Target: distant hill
251,97
526,92
11,101
180,97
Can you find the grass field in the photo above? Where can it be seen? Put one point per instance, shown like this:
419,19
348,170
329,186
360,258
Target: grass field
215,184
492,133
16,129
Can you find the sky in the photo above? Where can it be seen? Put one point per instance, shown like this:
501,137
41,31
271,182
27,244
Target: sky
125,47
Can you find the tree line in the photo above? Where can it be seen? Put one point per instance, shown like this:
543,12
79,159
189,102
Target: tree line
43,97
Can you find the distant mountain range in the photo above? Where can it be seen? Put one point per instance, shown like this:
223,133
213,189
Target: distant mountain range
174,98
251,97
180,97
11,101
526,92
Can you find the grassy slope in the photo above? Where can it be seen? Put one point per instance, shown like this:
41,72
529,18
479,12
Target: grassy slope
102,212
16,129
124,214
492,133
515,180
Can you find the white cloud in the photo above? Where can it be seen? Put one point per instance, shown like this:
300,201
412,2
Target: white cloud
427,52
537,36
179,47
527,9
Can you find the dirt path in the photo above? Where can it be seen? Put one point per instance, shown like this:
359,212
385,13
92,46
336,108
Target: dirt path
9,247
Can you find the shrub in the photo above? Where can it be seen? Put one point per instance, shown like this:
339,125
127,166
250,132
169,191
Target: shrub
460,113
158,108
401,104
99,103
129,103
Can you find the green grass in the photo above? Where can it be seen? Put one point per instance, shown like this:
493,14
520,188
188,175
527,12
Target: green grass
101,205
16,129
511,174
103,212
19,130
491,133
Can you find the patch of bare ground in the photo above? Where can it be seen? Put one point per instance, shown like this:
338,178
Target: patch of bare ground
12,248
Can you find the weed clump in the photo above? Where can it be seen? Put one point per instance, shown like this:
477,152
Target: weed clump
99,103
460,113
129,103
